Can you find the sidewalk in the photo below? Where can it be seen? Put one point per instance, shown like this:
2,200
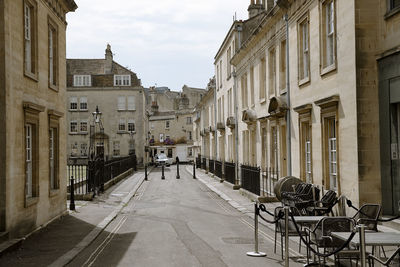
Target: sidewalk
77,229
245,202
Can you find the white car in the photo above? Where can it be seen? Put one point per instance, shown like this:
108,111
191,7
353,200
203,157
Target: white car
162,159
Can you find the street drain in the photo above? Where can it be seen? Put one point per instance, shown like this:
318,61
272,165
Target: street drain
239,240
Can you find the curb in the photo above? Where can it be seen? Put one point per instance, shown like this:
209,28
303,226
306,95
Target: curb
88,239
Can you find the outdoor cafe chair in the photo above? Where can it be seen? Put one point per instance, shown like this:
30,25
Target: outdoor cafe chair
368,215
323,206
320,235
280,227
388,261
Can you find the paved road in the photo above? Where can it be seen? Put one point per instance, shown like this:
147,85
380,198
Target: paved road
175,222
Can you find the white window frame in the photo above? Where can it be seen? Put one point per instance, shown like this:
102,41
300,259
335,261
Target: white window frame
161,138
130,123
28,40
84,150
82,122
121,103
28,159
131,103
76,127
330,33
333,163
83,101
82,80
51,159
308,169
73,103
122,125
74,150
122,80
116,148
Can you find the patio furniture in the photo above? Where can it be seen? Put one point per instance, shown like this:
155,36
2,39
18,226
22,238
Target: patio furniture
323,206
368,215
387,261
321,237
280,228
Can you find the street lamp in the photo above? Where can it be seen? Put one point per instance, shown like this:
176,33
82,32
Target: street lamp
96,149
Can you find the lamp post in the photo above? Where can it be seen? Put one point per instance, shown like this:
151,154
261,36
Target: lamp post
96,151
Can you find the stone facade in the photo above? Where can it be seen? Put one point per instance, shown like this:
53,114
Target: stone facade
119,96
32,118
170,121
343,72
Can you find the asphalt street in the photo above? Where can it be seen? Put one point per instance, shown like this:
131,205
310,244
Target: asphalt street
178,222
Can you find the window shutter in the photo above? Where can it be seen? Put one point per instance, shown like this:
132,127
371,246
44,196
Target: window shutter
131,103
121,103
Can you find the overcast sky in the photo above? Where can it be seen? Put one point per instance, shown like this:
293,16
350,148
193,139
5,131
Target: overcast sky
165,42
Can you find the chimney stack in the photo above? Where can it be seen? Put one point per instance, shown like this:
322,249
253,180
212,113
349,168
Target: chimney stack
255,8
109,60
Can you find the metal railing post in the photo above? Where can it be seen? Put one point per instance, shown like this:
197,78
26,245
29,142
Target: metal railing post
162,172
72,194
256,253
194,170
286,236
177,171
361,229
145,171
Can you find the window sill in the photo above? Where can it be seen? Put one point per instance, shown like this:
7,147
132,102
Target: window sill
328,69
122,132
30,201
122,110
53,87
304,81
131,109
54,192
83,110
392,12
32,76
74,133
73,110
83,133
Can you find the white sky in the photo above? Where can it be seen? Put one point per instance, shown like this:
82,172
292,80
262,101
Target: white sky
165,42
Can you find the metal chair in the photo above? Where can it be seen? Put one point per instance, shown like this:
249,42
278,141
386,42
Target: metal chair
321,237
388,261
323,206
280,228
368,215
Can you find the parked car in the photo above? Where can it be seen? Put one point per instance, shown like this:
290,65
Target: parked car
162,159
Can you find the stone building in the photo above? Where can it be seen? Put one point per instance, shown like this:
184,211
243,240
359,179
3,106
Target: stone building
118,94
170,121
343,69
204,123
32,114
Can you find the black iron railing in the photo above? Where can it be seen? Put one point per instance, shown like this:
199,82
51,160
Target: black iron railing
198,162
80,174
250,178
91,177
270,177
230,172
204,163
211,167
218,168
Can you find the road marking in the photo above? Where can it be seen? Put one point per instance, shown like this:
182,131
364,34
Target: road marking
93,257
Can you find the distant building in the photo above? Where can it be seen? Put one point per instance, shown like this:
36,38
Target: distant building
170,121
119,96
32,114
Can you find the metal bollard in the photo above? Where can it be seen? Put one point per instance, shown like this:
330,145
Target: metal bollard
194,170
256,253
177,171
145,172
72,194
361,231
286,236
162,172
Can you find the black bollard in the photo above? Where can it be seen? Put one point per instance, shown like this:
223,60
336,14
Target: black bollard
162,172
72,194
145,172
177,170
194,170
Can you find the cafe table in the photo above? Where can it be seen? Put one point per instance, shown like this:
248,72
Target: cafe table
371,238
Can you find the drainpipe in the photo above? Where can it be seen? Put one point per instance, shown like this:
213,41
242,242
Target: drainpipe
235,95
288,115
215,121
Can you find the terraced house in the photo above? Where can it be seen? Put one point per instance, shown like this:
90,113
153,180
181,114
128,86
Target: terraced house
32,113
339,60
117,93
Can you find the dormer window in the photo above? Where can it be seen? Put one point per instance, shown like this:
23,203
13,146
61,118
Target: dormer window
82,80
122,80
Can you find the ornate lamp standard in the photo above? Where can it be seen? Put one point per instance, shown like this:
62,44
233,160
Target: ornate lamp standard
96,136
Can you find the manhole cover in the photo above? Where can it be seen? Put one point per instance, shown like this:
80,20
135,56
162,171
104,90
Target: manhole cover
239,240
